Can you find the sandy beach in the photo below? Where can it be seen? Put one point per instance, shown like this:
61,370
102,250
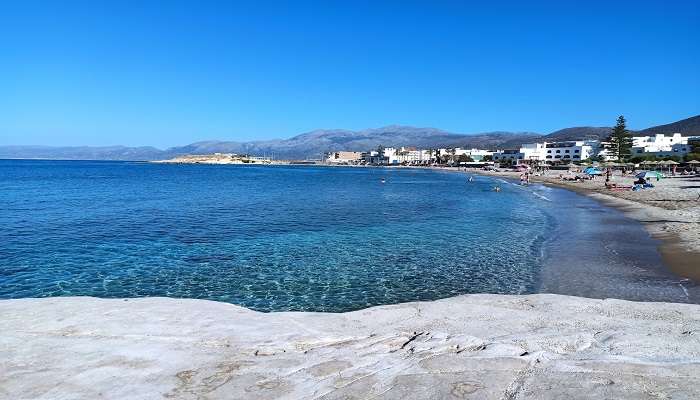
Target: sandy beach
670,211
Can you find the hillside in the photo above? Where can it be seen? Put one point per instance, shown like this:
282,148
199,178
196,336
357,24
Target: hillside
688,126
313,144
579,133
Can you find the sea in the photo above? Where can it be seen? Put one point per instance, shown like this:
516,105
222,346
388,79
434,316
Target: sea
311,238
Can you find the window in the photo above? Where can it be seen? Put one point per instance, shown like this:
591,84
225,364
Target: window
557,156
549,156
577,156
577,151
567,156
566,151
549,151
558,151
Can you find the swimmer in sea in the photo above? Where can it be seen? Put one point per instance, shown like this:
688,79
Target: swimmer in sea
496,188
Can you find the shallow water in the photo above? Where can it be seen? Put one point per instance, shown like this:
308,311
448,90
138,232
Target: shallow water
300,238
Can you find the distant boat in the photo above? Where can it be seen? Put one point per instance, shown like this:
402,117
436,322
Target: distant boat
383,180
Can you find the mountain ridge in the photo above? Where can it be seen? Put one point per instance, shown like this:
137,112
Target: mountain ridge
314,143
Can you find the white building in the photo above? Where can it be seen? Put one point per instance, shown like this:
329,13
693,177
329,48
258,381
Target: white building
661,145
552,152
533,151
575,150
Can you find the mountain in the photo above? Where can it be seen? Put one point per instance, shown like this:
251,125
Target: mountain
579,133
688,127
313,144
81,152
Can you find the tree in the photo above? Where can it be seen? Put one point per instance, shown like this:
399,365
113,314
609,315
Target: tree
452,152
487,158
464,158
619,142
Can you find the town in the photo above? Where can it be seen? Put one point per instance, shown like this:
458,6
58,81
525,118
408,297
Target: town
648,149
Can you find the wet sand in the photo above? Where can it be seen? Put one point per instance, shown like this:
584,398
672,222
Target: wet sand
669,212
596,251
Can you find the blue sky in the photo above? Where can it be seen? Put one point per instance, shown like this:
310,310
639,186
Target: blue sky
171,73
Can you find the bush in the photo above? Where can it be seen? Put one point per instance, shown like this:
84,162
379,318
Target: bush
692,156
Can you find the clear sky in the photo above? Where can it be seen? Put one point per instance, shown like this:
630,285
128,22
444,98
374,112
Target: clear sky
170,73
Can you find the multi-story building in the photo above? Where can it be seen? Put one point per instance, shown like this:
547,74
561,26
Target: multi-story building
568,151
532,152
552,152
661,145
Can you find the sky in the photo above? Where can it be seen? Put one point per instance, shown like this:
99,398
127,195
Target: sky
171,73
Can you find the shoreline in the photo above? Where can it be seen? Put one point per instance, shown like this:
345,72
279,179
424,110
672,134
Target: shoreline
679,245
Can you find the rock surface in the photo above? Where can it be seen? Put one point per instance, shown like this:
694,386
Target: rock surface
468,347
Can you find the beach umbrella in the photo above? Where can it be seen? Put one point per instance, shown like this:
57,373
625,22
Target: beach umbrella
671,163
693,162
592,171
649,163
649,175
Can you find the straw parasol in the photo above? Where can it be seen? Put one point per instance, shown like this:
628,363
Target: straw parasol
693,162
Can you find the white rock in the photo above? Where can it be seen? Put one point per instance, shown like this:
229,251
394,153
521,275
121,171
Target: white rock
476,346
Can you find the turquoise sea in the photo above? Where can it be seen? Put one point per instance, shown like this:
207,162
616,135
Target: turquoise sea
310,238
